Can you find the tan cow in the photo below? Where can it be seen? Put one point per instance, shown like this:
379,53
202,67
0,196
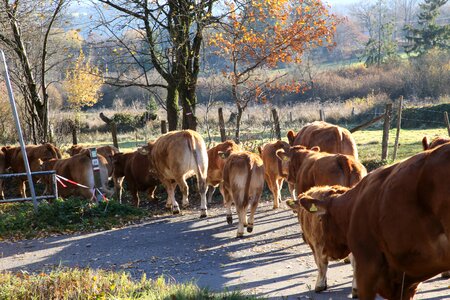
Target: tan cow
176,156
330,138
106,151
437,141
396,222
243,183
310,167
134,168
273,168
77,168
36,155
216,163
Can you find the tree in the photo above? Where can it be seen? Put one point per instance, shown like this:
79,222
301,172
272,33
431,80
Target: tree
428,34
173,33
261,34
26,27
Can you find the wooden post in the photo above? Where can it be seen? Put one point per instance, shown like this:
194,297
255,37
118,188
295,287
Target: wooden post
386,127
290,116
353,111
113,127
447,122
399,125
74,134
223,136
276,122
163,127
322,114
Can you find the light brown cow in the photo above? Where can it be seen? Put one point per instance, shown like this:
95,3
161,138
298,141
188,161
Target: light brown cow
216,163
36,155
273,168
437,141
176,156
310,167
330,138
396,222
243,183
316,233
134,167
105,151
77,168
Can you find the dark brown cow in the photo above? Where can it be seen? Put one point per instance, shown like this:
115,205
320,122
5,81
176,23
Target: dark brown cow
273,168
134,167
310,167
176,156
437,141
330,138
243,183
77,168
216,163
36,155
396,222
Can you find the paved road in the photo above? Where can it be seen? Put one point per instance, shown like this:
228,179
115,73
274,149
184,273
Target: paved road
273,261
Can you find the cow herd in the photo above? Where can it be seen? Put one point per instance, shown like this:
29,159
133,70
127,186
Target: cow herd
393,223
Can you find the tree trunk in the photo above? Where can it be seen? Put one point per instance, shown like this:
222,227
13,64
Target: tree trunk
172,107
238,125
189,100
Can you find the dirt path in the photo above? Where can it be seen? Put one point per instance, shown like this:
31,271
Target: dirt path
273,261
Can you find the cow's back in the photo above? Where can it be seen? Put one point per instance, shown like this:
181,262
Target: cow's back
137,169
216,163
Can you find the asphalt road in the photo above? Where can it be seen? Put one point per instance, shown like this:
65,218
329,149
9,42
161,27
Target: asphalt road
273,261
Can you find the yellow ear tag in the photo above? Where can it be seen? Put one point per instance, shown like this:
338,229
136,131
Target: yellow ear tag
285,158
313,208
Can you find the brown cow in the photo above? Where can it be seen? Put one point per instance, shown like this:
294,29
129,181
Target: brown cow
330,138
106,151
216,163
396,222
243,183
308,168
315,233
437,141
176,156
77,168
134,167
2,170
36,155
273,168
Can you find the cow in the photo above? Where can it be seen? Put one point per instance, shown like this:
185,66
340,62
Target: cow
36,155
243,183
315,233
437,141
106,151
330,138
134,168
273,168
396,223
174,157
310,167
216,163
2,170
77,168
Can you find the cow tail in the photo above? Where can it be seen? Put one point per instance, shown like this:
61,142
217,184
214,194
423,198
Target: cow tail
425,143
194,152
249,179
345,164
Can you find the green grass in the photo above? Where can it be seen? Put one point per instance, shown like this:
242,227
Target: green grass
19,221
99,284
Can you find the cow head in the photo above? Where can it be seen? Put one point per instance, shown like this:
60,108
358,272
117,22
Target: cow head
2,160
291,137
9,153
293,159
75,149
147,150
226,148
47,151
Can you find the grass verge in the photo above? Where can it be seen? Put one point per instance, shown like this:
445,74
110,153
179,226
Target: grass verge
100,284
19,221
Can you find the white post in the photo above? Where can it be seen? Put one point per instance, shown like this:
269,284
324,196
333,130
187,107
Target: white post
19,131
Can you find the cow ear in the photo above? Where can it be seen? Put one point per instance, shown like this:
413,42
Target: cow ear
313,206
315,148
283,155
259,150
294,204
425,143
224,155
291,137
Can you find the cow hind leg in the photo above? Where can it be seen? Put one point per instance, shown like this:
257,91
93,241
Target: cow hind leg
251,219
22,188
171,203
202,187
242,215
210,193
184,191
227,201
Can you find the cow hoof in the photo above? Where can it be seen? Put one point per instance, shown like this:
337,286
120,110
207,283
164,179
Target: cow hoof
185,205
445,274
346,260
240,235
275,207
354,293
319,289
250,228
203,213
230,219
176,211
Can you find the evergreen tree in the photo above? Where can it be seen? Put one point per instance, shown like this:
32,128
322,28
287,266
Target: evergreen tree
427,34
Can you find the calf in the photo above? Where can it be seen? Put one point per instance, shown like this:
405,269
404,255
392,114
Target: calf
273,168
330,138
437,141
243,183
396,222
216,163
174,157
134,167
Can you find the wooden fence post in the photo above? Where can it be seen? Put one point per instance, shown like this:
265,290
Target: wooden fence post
386,127
74,134
447,122
163,126
223,136
399,125
290,116
112,127
276,122
322,114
